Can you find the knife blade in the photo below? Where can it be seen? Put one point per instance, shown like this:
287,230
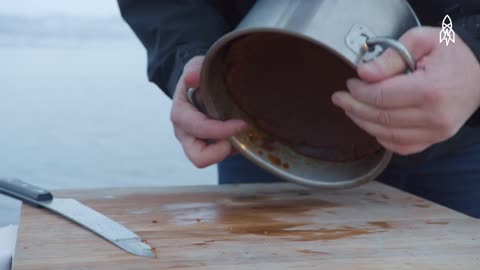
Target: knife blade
77,212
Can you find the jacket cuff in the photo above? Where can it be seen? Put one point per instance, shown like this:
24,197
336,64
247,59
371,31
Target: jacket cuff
176,61
468,28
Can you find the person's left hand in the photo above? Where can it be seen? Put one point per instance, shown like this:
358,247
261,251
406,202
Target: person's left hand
407,113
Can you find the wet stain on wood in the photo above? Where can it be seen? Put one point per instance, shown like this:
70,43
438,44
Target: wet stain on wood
261,220
267,216
381,224
263,214
293,233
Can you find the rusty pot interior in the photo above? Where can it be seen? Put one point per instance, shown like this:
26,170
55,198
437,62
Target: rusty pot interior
281,84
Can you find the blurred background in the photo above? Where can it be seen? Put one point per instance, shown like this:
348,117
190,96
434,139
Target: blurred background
76,108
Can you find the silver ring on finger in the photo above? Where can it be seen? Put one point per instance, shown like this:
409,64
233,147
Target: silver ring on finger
191,96
192,99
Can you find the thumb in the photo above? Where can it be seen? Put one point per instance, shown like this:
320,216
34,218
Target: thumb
419,41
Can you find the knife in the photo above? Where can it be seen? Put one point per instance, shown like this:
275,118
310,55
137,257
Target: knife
77,212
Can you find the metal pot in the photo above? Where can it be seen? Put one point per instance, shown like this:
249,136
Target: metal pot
355,31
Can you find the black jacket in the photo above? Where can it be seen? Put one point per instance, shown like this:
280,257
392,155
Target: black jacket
173,31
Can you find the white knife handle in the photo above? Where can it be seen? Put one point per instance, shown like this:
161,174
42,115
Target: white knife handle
21,190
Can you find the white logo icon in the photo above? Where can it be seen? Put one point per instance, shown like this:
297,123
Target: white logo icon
447,34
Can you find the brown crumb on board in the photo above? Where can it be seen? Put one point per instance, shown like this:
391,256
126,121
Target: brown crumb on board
154,251
202,243
306,251
437,222
422,205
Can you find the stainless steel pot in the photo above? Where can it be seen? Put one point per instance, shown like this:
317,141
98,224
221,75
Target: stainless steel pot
355,31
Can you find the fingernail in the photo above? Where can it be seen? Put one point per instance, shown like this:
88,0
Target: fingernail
241,125
351,83
336,98
370,67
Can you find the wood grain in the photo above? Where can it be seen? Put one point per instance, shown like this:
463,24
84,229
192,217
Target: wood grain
267,226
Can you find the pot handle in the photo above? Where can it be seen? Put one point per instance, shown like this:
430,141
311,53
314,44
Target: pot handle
371,42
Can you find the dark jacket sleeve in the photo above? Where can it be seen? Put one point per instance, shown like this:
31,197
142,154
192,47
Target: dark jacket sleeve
468,28
173,31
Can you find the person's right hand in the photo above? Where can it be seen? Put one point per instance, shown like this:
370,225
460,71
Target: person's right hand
204,140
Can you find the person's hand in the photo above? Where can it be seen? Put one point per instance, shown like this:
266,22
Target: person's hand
204,140
407,113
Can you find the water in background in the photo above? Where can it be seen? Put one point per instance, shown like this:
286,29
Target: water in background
76,108
77,117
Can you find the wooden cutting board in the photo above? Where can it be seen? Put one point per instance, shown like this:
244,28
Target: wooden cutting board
268,226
